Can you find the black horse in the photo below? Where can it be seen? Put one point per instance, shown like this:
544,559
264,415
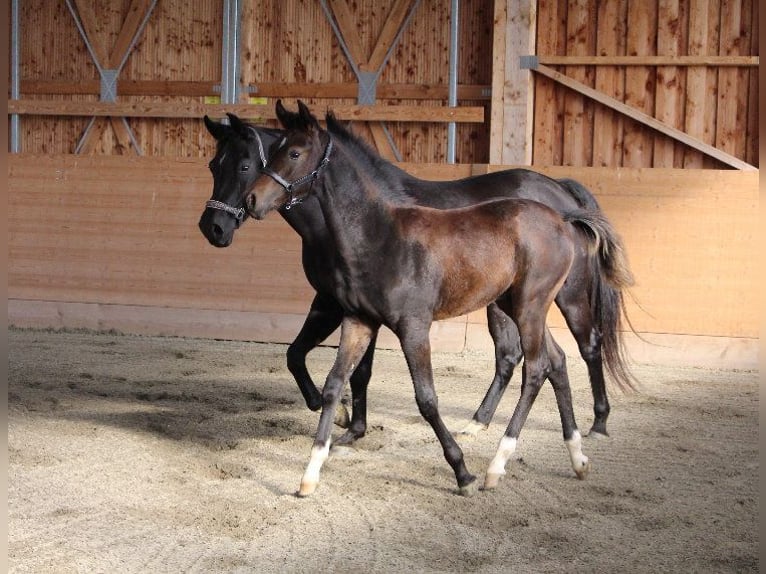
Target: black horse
591,307
404,266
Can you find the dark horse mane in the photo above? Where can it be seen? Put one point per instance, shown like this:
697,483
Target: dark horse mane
397,181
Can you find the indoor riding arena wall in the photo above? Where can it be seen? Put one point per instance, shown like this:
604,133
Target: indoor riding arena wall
112,243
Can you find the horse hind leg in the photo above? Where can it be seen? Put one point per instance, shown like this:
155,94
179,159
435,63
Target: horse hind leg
560,381
576,310
505,337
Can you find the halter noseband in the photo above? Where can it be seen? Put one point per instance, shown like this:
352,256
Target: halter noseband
239,212
289,186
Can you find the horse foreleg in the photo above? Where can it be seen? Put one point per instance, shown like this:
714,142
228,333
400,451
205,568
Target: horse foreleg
323,318
417,352
505,337
354,340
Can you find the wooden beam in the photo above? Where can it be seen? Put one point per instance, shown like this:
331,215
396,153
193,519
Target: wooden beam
715,61
88,20
124,143
348,30
497,117
130,25
518,84
461,114
391,27
382,143
643,118
475,92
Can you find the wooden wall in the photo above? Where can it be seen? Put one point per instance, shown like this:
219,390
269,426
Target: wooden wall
288,51
112,242
716,103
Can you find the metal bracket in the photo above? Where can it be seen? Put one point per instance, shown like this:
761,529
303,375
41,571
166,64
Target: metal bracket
109,85
368,84
528,62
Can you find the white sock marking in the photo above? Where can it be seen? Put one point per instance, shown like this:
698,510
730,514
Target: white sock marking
574,445
318,456
505,450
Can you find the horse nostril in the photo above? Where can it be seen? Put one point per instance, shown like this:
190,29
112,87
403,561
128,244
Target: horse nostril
217,231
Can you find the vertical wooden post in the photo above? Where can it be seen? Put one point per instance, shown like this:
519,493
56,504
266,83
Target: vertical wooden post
512,87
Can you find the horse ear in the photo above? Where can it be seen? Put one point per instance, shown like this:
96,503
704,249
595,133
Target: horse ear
306,117
216,129
285,117
238,125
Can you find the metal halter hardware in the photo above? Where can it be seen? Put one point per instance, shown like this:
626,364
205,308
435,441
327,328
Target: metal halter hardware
289,186
239,212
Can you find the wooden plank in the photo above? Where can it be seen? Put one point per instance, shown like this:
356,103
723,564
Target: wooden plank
348,29
136,13
670,83
267,89
497,109
697,78
753,128
398,113
551,40
578,144
396,17
381,141
727,121
89,23
518,88
646,119
124,143
640,82
660,60
608,124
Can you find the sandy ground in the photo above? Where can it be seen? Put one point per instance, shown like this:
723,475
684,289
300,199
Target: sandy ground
138,454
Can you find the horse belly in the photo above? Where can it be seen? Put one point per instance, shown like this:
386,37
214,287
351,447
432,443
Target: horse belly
471,289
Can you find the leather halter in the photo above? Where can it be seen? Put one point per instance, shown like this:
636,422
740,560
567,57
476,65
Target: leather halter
289,186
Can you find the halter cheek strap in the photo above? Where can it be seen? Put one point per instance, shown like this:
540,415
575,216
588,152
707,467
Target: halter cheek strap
290,186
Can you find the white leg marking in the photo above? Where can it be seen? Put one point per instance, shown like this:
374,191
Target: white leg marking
497,467
580,462
310,478
472,429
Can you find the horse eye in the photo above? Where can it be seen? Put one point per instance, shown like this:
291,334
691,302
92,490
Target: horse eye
294,154
244,168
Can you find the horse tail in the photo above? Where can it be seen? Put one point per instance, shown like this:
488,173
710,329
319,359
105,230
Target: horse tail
610,275
581,194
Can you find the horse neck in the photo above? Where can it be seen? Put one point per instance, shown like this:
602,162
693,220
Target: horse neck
351,203
307,220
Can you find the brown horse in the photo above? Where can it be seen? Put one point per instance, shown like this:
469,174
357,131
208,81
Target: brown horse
406,266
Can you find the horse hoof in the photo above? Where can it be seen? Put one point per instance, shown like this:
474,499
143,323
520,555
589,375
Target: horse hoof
306,489
491,480
597,435
583,471
341,417
469,489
